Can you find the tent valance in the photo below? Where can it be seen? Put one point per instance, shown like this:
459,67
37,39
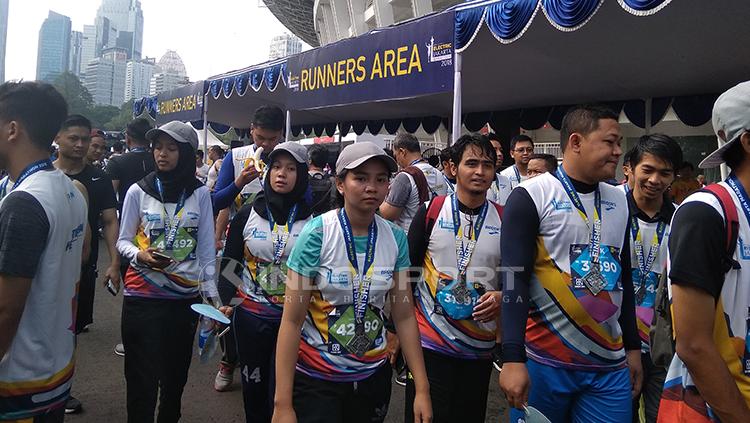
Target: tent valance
508,20
266,75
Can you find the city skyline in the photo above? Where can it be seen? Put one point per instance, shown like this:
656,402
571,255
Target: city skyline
207,48
53,51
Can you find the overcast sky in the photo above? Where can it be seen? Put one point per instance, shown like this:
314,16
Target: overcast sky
211,36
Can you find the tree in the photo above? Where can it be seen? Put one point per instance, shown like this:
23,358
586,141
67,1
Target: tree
99,115
78,97
121,119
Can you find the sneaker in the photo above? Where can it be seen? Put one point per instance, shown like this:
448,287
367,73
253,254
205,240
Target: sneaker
224,377
73,406
120,350
401,378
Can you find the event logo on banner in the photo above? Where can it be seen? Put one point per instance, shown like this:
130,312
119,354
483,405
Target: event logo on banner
184,104
403,61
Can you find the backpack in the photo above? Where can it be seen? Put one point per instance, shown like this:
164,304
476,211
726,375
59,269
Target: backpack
423,189
321,189
661,333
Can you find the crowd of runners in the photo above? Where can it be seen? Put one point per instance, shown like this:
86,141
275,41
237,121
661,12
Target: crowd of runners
596,300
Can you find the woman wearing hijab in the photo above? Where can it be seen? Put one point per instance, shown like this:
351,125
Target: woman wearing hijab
260,237
166,233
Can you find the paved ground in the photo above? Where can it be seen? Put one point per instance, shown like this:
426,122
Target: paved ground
100,382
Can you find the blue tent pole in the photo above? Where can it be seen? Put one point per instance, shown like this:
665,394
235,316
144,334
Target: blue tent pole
456,132
288,128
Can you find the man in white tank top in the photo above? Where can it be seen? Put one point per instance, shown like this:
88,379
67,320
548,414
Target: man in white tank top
42,231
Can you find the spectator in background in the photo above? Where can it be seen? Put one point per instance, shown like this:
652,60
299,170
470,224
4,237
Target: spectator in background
701,180
117,149
521,148
216,155
201,168
97,148
448,176
685,184
416,183
127,169
498,146
541,163
321,186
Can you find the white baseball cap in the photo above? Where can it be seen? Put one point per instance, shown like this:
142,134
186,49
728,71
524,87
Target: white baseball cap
731,114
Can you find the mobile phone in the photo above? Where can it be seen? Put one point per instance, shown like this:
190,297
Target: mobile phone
111,288
160,255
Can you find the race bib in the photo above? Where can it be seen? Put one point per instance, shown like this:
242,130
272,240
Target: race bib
456,298
183,248
645,295
342,329
609,266
271,278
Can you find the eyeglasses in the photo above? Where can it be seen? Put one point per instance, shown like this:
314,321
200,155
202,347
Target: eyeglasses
524,150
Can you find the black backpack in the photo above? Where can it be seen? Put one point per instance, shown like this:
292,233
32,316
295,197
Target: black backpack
323,193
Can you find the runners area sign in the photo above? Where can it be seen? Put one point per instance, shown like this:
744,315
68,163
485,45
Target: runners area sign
404,61
184,104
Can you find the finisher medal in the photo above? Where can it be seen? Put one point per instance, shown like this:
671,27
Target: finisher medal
360,343
594,280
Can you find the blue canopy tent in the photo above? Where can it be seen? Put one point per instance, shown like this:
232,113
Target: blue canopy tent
533,57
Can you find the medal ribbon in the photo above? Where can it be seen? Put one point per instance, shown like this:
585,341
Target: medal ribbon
739,190
596,229
463,254
28,171
361,283
280,239
644,265
171,225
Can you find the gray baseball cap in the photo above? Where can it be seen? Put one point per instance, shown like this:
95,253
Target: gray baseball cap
178,131
297,150
731,114
353,155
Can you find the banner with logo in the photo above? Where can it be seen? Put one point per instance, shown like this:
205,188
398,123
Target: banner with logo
404,61
184,104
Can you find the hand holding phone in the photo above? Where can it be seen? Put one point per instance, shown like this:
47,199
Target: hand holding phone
111,288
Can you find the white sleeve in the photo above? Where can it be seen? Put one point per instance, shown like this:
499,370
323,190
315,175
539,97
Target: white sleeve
206,245
130,220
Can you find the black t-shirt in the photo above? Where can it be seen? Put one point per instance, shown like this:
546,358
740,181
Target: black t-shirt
697,246
101,197
129,168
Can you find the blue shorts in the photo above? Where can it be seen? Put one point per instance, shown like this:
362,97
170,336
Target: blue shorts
578,396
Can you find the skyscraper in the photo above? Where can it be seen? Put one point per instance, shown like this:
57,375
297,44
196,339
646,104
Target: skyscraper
138,77
127,17
283,46
53,52
76,44
172,73
88,47
105,77
3,35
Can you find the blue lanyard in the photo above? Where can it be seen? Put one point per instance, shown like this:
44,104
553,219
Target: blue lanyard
739,190
627,187
518,174
644,265
171,225
596,227
280,240
361,283
463,254
415,162
31,169
138,150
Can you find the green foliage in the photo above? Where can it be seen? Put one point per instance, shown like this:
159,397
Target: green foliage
80,102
